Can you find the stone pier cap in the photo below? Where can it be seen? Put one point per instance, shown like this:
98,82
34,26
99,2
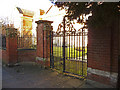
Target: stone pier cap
43,21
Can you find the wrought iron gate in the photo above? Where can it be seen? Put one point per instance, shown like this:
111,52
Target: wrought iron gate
68,52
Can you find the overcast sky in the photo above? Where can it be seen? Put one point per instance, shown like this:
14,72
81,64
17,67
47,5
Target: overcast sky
6,6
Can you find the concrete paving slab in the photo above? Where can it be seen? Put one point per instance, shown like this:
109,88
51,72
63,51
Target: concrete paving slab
94,84
75,82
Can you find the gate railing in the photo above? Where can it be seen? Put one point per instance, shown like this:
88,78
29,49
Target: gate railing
3,42
27,42
69,49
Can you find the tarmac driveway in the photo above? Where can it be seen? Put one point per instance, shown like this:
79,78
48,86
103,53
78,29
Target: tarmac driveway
31,75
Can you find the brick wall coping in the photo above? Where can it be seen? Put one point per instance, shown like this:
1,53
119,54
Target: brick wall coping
25,49
111,75
43,21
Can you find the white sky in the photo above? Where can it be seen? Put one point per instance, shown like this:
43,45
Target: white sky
6,6
7,9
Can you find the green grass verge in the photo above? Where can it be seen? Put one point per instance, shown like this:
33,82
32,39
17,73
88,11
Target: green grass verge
69,52
72,66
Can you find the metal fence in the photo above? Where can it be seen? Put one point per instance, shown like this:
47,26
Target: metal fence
27,42
69,49
3,42
22,42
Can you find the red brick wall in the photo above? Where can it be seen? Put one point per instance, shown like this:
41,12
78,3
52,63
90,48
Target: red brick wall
103,48
40,40
43,32
99,49
103,51
23,55
26,55
115,45
3,55
11,55
11,49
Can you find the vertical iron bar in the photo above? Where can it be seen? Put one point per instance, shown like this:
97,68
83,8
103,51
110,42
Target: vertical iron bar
17,46
74,44
56,57
77,55
64,45
69,51
79,46
60,47
54,51
59,50
71,37
18,43
22,42
69,46
83,48
46,43
79,52
50,52
82,51
43,45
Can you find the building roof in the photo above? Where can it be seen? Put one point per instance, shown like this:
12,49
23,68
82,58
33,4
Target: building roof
25,12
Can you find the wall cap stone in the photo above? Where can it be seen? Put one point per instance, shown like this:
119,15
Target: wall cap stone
40,59
43,21
110,75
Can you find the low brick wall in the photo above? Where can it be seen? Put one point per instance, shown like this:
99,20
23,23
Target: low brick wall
26,55
103,53
23,55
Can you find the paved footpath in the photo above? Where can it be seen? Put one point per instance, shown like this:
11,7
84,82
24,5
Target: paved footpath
31,75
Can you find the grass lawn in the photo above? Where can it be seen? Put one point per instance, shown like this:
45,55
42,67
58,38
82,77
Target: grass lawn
69,52
72,62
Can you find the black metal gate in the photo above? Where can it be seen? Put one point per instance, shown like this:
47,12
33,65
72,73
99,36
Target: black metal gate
68,52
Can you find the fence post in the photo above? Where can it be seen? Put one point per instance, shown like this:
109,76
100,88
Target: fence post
64,46
43,42
11,45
